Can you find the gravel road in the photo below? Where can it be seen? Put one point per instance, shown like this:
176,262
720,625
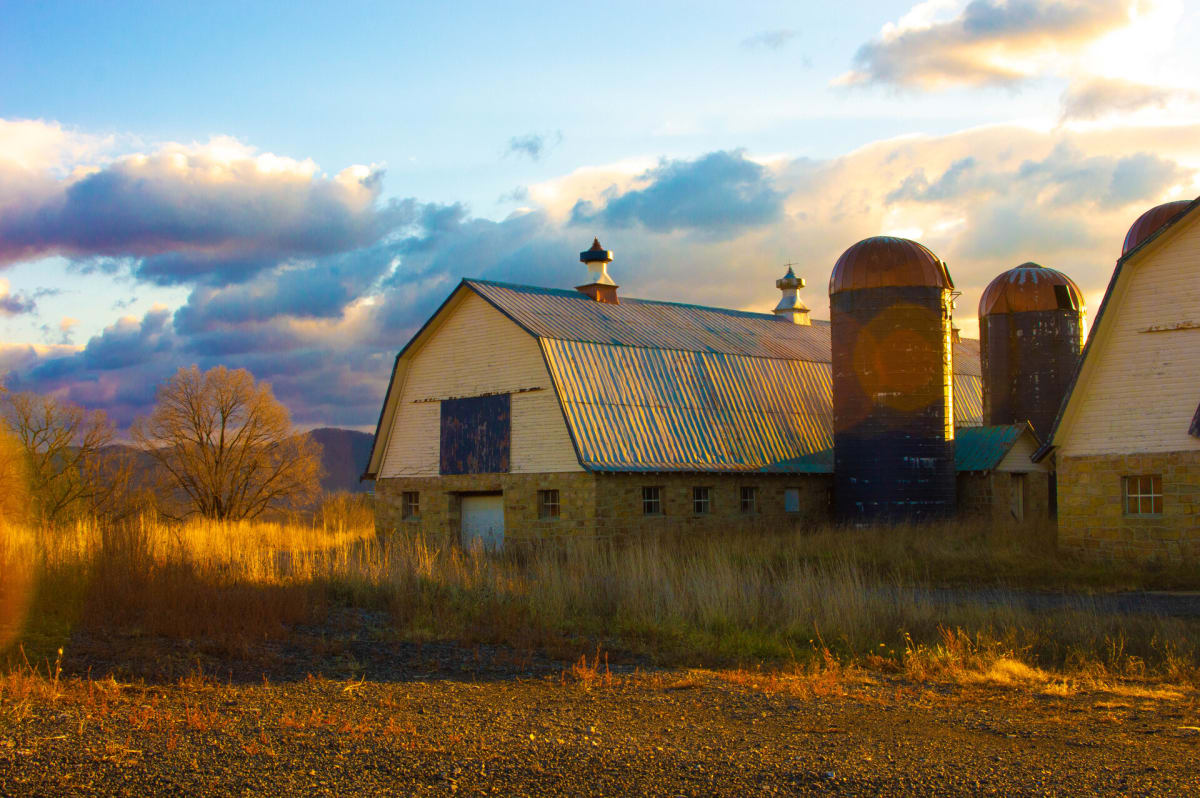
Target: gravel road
659,733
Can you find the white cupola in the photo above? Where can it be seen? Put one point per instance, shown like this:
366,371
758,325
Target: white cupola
790,305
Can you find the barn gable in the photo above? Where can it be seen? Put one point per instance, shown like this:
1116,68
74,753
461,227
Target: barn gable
1146,338
469,350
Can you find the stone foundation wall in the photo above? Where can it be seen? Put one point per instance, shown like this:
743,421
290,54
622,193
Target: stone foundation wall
1091,515
619,503
990,496
441,503
603,505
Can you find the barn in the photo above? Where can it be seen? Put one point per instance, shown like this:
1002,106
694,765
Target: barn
525,412
1126,442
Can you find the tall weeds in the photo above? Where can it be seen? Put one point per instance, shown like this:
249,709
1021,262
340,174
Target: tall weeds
856,595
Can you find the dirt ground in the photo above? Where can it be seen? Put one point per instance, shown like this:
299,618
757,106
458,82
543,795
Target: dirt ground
516,727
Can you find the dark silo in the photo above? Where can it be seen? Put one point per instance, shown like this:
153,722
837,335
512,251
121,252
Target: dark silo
893,435
1151,221
1030,335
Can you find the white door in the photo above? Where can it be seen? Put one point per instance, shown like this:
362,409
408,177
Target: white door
483,521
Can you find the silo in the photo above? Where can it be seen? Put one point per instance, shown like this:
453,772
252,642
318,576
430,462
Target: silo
1151,221
890,303
1030,335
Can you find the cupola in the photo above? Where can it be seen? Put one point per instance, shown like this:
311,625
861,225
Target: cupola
790,306
599,286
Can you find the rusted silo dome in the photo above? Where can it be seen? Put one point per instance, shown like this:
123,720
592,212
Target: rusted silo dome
1030,287
1030,334
888,262
1150,222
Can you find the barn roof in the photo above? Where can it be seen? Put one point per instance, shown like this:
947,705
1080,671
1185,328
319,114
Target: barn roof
663,386
982,448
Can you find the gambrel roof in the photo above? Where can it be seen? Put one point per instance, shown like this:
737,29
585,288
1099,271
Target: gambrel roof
664,386
1116,285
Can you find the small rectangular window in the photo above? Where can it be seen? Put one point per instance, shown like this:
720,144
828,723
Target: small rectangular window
652,500
701,501
1063,296
548,506
1143,494
749,499
791,500
410,505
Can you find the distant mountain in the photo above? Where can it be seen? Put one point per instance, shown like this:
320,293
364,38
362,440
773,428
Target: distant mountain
345,454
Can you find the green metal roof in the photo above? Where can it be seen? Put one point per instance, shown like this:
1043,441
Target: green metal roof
982,448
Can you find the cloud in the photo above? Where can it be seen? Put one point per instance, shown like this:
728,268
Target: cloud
216,212
715,195
986,42
1097,97
716,229
769,39
14,304
534,146
1062,178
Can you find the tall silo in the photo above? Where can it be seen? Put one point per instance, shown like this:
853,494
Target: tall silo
1151,221
1030,334
890,303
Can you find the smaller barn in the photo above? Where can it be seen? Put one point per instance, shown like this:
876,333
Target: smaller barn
997,477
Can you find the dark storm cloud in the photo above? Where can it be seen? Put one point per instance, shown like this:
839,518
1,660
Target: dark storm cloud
989,42
717,195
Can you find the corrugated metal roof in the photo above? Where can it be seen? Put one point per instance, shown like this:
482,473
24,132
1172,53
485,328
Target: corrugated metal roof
660,386
982,448
571,316
968,400
638,409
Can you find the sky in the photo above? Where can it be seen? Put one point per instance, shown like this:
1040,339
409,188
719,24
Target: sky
294,188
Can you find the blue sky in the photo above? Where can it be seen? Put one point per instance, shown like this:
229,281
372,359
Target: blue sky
292,188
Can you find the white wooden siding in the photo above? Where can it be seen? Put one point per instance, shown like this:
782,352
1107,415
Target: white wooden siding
477,350
1140,389
1019,457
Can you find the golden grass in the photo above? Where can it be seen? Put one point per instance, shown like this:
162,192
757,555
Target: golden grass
833,598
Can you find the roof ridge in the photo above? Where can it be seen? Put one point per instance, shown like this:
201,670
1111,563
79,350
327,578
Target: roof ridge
569,293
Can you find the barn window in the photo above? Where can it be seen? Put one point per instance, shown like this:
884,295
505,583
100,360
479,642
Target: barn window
652,500
701,501
1143,494
548,506
749,499
791,500
410,505
1062,295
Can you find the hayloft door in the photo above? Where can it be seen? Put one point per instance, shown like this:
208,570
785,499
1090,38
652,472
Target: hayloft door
483,521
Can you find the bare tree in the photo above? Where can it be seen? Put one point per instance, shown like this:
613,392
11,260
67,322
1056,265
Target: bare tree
228,445
14,499
70,462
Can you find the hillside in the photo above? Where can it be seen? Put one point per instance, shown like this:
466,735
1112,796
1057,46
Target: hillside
344,458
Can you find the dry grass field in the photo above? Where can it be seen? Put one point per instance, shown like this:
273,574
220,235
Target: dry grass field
885,598
313,656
